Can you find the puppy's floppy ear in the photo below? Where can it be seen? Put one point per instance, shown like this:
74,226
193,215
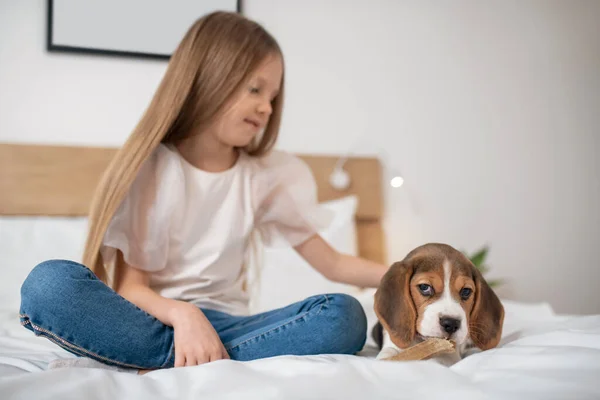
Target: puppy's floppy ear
487,315
394,305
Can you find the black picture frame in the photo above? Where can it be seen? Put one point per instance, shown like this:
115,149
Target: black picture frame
53,47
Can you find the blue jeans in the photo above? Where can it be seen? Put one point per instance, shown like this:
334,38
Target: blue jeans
66,303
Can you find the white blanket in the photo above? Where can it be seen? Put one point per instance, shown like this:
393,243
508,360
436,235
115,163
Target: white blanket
541,356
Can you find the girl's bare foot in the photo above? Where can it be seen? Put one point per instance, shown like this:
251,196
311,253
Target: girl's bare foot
144,371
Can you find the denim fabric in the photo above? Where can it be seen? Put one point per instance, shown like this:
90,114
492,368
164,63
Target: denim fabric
65,302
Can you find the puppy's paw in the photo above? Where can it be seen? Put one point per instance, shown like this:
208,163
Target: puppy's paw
387,352
447,360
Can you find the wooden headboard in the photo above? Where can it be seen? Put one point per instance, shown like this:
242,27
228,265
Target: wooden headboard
60,181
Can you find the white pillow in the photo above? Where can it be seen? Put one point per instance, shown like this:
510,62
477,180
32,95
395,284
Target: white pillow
286,277
27,241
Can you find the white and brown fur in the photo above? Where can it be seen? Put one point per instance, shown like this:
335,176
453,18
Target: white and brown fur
407,316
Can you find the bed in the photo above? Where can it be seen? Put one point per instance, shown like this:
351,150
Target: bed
44,197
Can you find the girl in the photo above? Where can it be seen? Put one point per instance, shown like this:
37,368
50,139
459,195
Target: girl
174,216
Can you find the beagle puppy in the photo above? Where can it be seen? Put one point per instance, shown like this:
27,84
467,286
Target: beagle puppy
436,292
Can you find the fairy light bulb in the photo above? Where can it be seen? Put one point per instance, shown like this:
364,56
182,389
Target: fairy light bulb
396,181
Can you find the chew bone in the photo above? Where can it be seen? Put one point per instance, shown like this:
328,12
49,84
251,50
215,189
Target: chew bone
424,350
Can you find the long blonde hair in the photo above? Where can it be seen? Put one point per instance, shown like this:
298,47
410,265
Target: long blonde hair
215,58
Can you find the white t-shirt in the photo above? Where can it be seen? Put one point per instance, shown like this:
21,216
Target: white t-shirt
191,229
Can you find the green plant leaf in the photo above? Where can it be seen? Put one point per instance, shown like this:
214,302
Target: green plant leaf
479,257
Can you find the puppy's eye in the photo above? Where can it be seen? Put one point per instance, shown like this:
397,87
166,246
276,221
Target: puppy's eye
465,293
425,289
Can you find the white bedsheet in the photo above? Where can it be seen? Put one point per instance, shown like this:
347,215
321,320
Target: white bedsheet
541,356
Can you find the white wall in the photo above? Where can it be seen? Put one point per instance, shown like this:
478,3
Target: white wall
491,110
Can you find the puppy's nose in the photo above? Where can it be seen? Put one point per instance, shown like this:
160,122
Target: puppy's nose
449,325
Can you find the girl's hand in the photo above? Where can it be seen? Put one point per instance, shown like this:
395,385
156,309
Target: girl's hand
196,341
